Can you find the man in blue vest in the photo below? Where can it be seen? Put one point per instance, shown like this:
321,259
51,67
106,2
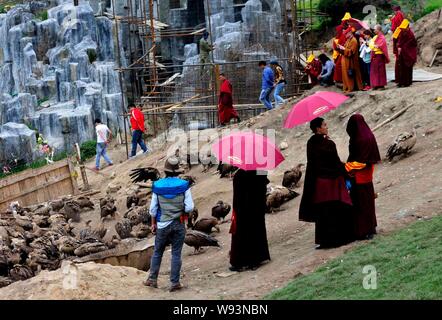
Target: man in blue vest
171,203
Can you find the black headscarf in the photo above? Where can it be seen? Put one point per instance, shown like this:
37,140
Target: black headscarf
363,147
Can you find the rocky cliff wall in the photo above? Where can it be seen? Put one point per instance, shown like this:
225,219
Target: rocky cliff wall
57,75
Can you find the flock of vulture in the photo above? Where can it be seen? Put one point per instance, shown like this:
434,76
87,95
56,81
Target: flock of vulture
39,237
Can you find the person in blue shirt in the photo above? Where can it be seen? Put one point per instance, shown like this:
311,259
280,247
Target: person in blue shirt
169,208
268,80
326,76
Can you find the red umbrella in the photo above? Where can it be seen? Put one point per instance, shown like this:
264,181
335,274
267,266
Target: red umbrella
248,151
312,107
358,24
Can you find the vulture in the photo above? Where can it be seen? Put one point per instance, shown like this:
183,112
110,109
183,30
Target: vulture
67,244
20,272
208,161
139,215
193,216
402,145
4,281
123,228
85,202
190,179
107,207
88,234
111,244
206,225
199,239
144,174
72,210
225,169
140,231
44,210
292,177
278,195
89,248
107,199
57,205
137,199
221,210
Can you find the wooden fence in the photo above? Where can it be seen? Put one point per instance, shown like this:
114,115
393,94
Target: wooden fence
34,186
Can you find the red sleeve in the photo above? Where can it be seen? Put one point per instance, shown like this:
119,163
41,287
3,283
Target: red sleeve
140,119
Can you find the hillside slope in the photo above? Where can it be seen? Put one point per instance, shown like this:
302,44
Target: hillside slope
408,188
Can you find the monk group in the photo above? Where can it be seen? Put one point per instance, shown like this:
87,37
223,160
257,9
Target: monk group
360,56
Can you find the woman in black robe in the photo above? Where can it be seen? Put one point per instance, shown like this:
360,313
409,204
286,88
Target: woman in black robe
325,199
249,236
363,155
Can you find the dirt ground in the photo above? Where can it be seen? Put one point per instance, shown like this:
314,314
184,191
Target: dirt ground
409,189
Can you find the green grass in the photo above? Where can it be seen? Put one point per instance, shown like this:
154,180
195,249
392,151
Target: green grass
408,265
431,5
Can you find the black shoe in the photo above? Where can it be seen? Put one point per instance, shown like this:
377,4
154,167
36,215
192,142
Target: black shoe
253,267
235,269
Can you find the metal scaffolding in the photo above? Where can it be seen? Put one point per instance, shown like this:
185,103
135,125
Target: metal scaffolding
169,88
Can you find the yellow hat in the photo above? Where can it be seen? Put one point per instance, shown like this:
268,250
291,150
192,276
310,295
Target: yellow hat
404,25
347,16
311,58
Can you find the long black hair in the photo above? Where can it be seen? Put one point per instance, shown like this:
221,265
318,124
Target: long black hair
323,58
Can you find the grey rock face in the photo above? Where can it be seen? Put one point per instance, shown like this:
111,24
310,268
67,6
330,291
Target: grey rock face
15,142
56,75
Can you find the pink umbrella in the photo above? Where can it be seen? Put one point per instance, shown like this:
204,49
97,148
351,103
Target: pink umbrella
248,151
358,24
312,107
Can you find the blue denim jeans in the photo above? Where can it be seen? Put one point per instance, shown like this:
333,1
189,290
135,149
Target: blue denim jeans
101,151
174,233
137,138
278,89
264,98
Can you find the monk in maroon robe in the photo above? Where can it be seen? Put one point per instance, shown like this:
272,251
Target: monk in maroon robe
325,199
397,19
395,23
406,57
379,59
225,103
313,70
249,248
363,155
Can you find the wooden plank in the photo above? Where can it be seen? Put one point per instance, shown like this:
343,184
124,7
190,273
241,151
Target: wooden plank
30,173
50,182
73,179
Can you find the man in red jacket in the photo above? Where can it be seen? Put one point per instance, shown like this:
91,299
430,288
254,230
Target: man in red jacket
137,124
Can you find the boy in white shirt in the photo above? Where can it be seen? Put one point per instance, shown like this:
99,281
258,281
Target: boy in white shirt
103,137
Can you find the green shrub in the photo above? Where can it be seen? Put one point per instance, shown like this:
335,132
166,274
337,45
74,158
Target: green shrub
42,15
88,149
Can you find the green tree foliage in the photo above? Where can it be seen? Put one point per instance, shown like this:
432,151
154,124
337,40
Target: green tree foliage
88,149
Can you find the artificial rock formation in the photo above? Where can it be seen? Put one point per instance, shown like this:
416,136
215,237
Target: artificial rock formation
57,75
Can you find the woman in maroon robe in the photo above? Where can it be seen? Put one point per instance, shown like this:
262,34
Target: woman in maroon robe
225,102
406,57
249,248
325,199
363,155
